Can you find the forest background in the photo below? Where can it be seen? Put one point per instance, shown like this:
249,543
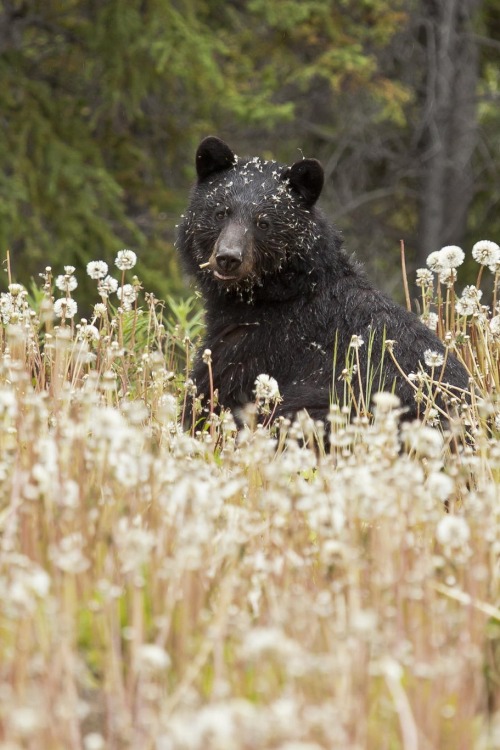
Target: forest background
103,102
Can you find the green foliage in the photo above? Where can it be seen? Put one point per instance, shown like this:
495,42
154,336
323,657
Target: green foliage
103,104
100,104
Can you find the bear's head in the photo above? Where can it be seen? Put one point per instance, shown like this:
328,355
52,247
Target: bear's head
248,219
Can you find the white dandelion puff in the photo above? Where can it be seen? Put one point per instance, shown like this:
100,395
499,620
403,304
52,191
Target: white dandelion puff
127,295
440,485
465,307
472,292
152,658
435,262
94,741
66,283
125,260
16,289
356,342
90,332
430,320
386,401
425,441
486,253
448,276
452,531
65,307
494,326
266,388
134,544
68,555
97,269
99,310
451,256
107,286
425,277
469,302
433,359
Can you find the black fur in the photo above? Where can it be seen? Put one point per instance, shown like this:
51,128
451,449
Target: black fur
281,296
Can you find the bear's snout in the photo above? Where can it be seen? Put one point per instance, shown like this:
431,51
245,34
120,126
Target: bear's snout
230,253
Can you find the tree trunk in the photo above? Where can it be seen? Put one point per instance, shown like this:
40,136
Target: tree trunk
449,122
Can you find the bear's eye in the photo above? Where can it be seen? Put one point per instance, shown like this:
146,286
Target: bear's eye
262,224
220,214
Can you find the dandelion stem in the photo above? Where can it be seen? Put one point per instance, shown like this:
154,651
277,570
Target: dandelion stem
479,277
9,273
405,276
360,381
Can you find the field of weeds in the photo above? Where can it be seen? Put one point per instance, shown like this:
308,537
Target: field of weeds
203,590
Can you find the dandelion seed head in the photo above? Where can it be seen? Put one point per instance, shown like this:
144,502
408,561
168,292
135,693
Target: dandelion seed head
134,544
16,289
94,741
433,359
100,310
440,485
152,658
266,388
356,342
65,307
25,584
7,308
469,302
435,262
430,320
125,260
425,441
452,531
25,720
386,401
8,402
167,408
66,283
486,253
425,277
495,267
262,642
448,276
451,256
68,555
127,295
107,286
97,269
89,332
392,669
494,326
465,306
472,292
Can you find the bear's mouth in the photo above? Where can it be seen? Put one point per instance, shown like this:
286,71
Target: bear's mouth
223,277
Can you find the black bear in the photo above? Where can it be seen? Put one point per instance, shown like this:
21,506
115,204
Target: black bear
283,298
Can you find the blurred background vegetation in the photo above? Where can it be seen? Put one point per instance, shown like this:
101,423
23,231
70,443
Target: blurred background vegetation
103,102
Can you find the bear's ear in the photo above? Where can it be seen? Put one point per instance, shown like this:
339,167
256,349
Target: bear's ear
307,178
213,155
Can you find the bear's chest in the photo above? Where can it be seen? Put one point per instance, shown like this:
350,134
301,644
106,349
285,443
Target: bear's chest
237,359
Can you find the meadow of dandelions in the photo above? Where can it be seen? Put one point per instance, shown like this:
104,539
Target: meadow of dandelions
206,590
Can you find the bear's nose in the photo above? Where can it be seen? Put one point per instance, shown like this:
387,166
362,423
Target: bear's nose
228,260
